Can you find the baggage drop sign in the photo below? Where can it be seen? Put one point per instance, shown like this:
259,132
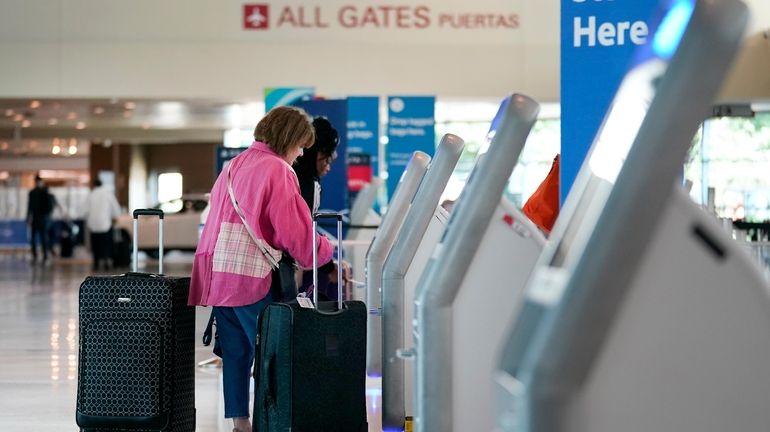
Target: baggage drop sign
598,38
411,127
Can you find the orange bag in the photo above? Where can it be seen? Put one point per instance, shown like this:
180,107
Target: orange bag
542,207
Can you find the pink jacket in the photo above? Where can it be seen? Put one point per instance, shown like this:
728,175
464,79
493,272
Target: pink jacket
229,269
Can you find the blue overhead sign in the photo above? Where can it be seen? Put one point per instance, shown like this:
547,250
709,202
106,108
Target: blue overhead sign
598,38
411,127
282,96
364,128
334,184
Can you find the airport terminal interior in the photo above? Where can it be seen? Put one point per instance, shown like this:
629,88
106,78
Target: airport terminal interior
555,214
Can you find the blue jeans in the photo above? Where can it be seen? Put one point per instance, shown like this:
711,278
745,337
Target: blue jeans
237,334
39,229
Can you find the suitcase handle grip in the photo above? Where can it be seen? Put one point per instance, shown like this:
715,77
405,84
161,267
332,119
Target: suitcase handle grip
148,212
322,215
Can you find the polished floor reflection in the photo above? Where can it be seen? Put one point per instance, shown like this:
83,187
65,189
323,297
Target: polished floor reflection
39,334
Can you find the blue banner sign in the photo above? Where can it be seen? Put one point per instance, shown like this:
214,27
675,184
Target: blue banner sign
13,233
364,128
411,127
598,38
224,155
282,96
334,185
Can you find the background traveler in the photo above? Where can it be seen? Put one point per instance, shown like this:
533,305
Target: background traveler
315,163
40,206
102,209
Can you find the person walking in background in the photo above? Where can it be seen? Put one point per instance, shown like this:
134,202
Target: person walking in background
40,206
542,207
102,209
232,270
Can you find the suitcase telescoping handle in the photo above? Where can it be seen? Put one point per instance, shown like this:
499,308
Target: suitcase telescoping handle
316,217
148,212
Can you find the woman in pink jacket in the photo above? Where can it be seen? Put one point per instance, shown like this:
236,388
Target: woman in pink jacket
230,271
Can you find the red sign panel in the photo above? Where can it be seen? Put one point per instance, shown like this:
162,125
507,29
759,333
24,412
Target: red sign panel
256,16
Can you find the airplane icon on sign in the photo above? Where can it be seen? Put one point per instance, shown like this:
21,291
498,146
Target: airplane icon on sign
255,16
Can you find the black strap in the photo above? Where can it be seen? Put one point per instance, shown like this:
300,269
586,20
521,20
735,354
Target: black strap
209,332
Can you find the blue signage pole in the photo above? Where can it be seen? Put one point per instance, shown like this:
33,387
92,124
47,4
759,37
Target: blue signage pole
411,127
224,155
598,38
364,128
335,183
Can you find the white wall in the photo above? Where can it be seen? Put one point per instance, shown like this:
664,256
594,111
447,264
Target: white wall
760,15
198,48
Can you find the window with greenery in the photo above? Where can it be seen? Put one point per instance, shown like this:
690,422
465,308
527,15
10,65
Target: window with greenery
732,156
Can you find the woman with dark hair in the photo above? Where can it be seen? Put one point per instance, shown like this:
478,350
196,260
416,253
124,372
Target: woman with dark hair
316,162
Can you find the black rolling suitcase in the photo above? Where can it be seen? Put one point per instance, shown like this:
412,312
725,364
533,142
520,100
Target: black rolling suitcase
310,367
121,248
136,370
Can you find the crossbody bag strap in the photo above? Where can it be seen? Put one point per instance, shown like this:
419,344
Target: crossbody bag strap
270,259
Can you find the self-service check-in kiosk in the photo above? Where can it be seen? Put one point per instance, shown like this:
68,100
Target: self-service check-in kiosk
364,222
378,252
465,295
416,241
642,314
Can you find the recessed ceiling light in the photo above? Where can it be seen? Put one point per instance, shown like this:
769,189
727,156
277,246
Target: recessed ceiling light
129,105
72,149
18,117
98,110
56,149
53,121
80,125
26,124
35,104
9,112
72,115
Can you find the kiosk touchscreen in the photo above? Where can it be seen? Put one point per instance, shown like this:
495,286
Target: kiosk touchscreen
379,250
364,222
642,314
421,231
469,288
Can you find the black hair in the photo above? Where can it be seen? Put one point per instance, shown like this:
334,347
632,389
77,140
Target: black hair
326,137
326,140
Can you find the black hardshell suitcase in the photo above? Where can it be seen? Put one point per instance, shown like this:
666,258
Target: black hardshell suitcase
310,366
136,370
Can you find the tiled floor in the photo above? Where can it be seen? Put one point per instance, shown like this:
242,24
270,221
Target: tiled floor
39,349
